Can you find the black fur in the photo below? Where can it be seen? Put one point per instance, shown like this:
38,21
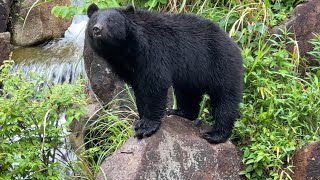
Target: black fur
152,51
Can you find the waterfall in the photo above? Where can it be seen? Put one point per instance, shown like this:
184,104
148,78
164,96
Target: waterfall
60,60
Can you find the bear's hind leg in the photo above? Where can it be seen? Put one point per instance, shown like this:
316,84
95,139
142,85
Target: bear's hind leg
188,105
225,110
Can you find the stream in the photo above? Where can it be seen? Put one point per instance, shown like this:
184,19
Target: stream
58,61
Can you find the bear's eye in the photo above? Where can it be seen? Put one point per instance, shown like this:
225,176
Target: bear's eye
109,20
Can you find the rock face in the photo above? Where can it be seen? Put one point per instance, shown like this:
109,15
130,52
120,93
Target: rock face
307,162
104,83
4,46
303,21
78,128
40,24
176,152
5,6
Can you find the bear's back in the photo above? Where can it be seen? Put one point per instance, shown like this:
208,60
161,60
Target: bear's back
183,22
184,28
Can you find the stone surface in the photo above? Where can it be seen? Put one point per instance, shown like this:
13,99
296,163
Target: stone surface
78,128
5,6
176,152
40,24
303,21
307,162
104,83
4,46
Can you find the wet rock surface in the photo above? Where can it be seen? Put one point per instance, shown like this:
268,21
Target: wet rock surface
307,162
40,24
104,83
303,22
5,6
177,152
4,46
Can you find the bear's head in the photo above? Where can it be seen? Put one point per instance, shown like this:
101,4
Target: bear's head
108,27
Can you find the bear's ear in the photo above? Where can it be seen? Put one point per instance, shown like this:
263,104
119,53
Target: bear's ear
130,9
91,9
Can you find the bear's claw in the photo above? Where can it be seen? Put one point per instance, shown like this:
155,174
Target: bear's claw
215,137
145,128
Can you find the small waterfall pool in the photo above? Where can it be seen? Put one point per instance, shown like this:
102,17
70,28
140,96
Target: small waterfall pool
60,60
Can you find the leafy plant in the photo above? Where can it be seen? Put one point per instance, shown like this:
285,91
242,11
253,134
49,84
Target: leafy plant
31,129
280,111
106,131
67,11
316,47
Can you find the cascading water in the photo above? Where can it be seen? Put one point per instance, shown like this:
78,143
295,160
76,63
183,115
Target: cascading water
58,61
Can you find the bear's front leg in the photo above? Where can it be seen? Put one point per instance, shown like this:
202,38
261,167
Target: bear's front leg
151,103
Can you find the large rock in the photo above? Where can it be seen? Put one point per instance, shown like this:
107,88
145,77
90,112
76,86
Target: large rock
5,6
104,83
4,46
40,24
303,21
307,162
176,152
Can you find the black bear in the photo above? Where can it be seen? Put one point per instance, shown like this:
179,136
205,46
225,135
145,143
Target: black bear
152,51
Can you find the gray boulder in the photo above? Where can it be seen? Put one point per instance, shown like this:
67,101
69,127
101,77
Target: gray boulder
5,6
176,152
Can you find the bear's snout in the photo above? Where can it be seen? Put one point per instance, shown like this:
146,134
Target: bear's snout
97,29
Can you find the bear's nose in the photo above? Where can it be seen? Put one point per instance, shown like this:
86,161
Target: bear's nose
97,30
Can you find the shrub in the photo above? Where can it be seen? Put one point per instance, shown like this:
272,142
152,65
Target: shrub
280,111
31,129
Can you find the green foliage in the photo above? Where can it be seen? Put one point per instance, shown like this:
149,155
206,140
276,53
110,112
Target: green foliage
30,131
108,129
71,10
280,111
316,47
154,3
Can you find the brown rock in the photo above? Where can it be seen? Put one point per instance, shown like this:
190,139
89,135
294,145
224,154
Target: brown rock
303,21
177,152
4,46
40,24
5,6
307,162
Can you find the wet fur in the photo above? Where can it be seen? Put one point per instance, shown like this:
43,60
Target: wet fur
185,51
